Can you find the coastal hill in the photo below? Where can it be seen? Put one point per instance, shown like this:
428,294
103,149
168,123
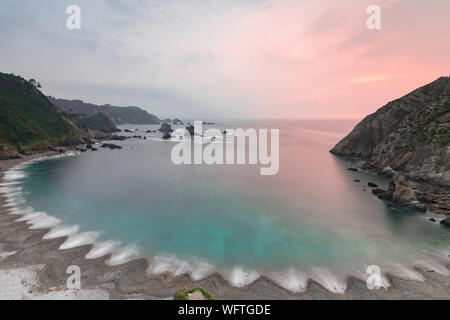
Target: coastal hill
29,121
409,139
99,122
118,115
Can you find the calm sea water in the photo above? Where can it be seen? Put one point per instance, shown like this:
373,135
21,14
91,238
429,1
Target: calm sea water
310,218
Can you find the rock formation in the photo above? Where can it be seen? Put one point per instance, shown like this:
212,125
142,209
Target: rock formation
409,140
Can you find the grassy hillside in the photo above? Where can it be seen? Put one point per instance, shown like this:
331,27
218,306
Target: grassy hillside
99,122
28,120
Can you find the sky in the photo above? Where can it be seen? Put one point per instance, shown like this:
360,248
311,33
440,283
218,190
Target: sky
209,59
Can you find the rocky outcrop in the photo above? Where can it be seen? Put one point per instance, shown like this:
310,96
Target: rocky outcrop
167,136
191,130
111,146
409,140
446,222
6,154
400,192
166,128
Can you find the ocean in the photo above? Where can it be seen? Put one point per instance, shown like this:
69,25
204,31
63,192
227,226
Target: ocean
311,220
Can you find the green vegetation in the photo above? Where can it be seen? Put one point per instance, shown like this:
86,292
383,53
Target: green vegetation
184,294
442,139
99,122
28,119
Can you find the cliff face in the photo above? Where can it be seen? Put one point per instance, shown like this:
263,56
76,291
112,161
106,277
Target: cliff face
29,121
411,136
118,115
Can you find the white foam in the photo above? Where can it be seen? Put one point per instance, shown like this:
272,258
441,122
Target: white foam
123,255
197,269
13,196
79,239
163,264
4,254
44,223
405,273
292,280
201,270
11,205
10,190
39,220
328,280
431,265
102,248
239,277
14,202
20,211
32,216
13,175
19,201
7,184
61,231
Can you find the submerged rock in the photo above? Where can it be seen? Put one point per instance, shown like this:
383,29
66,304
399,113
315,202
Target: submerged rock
111,146
117,138
353,169
372,185
167,136
378,191
446,222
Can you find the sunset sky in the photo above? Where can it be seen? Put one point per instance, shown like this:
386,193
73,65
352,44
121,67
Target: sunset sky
229,58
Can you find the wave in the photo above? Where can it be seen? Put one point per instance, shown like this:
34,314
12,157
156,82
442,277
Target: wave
61,231
166,263
238,276
101,249
79,239
124,255
39,220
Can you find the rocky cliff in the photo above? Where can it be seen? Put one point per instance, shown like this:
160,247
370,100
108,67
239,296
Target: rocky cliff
409,138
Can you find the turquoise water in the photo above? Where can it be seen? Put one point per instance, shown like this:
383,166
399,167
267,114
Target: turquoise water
312,214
